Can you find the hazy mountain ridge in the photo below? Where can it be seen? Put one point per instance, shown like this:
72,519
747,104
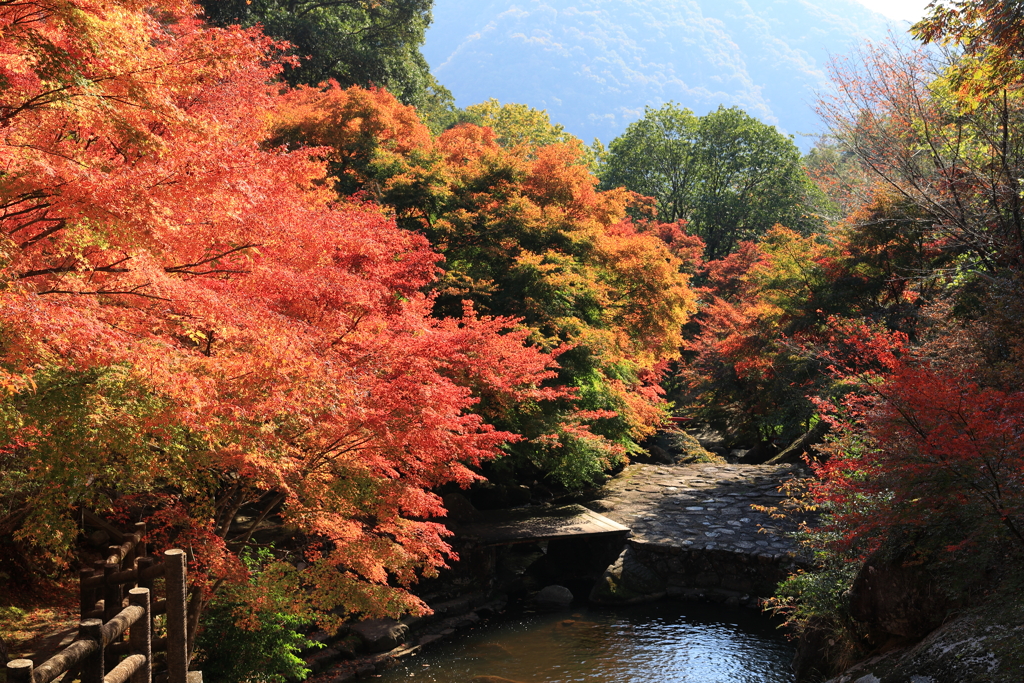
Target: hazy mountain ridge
595,64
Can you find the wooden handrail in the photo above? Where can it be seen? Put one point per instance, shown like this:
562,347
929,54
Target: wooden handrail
123,671
115,628
159,607
120,649
126,576
127,549
22,671
95,638
97,521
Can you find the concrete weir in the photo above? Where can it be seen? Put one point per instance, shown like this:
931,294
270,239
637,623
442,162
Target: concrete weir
696,533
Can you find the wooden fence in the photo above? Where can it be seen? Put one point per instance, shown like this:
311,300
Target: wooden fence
100,654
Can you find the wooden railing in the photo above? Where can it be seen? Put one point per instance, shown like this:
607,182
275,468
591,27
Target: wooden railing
105,619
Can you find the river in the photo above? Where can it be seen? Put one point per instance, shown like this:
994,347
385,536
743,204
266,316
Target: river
663,642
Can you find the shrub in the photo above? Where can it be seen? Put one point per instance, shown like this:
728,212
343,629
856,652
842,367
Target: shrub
250,631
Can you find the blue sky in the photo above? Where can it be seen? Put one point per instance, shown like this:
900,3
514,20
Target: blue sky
910,10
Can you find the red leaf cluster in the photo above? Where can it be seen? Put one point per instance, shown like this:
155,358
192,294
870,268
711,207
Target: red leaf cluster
254,338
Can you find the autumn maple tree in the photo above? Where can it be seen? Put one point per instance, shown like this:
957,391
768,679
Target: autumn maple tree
935,455
923,470
193,322
525,232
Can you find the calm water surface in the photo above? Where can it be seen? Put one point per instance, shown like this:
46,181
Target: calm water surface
667,642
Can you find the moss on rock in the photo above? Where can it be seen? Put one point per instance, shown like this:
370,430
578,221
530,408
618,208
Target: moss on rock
984,644
688,450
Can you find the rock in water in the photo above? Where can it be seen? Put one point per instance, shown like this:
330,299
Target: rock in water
554,597
381,635
626,581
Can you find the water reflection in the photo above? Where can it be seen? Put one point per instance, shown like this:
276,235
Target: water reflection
666,642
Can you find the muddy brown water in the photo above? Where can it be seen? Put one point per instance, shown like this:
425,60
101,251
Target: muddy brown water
666,642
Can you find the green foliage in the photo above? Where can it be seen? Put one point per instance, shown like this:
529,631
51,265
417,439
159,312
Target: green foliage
656,157
250,631
818,594
517,124
354,42
512,206
436,108
111,425
729,175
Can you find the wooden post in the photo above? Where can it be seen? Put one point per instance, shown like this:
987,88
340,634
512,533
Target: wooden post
86,596
140,543
19,671
111,592
177,638
112,600
140,637
144,564
93,666
131,560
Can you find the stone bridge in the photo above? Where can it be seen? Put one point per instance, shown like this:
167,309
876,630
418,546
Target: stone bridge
696,534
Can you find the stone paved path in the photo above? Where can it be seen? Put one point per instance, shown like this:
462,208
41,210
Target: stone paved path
701,506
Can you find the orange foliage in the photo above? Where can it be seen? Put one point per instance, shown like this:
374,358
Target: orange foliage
186,310
745,367
525,232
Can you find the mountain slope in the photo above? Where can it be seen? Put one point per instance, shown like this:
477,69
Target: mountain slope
595,64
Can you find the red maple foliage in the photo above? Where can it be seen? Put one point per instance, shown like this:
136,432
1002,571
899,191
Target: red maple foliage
926,450
189,314
524,232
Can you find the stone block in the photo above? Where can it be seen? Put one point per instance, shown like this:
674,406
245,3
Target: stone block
737,583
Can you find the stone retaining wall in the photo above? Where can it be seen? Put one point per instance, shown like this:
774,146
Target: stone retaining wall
715,574
698,531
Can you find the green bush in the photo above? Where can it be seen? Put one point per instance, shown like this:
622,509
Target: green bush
250,631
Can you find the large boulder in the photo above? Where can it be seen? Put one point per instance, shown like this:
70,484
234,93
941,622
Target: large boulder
982,644
627,581
554,597
687,449
895,599
460,510
818,651
660,455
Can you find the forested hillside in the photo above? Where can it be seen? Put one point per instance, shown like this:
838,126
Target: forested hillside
595,65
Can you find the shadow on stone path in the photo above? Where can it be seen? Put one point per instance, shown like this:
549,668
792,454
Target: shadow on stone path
701,507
